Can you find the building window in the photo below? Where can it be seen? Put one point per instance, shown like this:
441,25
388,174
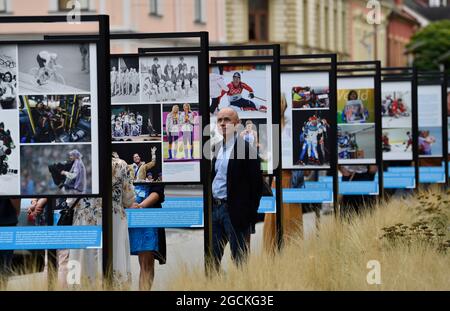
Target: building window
68,5
305,22
156,7
3,6
200,11
258,28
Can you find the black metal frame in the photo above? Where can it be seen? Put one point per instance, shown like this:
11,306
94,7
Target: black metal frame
375,68
438,78
274,61
406,74
331,69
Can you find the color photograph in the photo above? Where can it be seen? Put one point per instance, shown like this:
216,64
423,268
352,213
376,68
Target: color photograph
430,142
397,144
396,105
308,97
356,106
356,143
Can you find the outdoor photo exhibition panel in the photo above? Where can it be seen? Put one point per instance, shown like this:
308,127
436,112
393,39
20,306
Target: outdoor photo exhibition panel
359,128
308,97
399,122
251,86
432,117
51,122
157,121
448,125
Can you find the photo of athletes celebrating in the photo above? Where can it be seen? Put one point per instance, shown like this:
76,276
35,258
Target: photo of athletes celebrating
125,81
311,141
54,69
8,77
310,97
136,123
55,118
172,79
181,132
242,88
144,160
396,109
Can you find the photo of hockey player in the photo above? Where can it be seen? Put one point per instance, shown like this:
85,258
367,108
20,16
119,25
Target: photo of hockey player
136,123
125,80
430,142
59,169
8,77
9,153
356,106
311,144
55,68
246,89
55,118
181,132
397,144
308,97
396,108
172,79
356,143
143,159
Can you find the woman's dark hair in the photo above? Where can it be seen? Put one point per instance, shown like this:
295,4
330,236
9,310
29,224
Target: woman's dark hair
350,94
10,76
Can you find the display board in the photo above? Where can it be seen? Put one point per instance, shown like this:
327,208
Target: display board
155,116
430,121
49,119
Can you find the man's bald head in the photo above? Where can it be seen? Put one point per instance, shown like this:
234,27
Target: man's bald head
227,119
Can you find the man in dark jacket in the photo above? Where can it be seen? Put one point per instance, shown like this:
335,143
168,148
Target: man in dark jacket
9,211
236,188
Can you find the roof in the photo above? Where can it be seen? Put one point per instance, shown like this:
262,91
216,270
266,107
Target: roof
430,13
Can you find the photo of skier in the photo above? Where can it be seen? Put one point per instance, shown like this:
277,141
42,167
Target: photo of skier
171,79
397,144
243,88
396,106
125,81
143,159
9,153
8,77
136,123
356,143
55,68
181,132
311,144
430,142
55,118
356,106
310,97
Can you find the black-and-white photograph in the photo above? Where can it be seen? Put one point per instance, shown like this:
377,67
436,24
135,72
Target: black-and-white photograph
8,77
59,169
124,76
54,69
172,79
136,123
144,160
9,153
55,118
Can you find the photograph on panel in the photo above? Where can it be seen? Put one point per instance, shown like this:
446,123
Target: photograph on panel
55,118
54,69
125,84
172,79
310,142
356,106
182,133
144,160
356,143
9,153
136,123
397,144
8,76
430,142
247,89
310,97
357,173
396,105
56,169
